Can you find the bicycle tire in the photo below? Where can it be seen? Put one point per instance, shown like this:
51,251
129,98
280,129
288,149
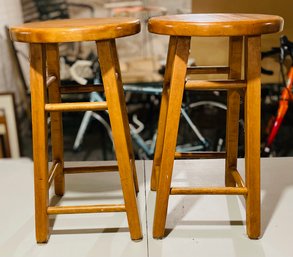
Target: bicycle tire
209,116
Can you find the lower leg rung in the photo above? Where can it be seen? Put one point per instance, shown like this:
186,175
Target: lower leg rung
86,209
208,191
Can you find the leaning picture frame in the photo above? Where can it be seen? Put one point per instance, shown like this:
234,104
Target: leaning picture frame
7,105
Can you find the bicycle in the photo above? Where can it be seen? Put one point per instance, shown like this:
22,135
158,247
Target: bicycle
192,135
285,50
145,144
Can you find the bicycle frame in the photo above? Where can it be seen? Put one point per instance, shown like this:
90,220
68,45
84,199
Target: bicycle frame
286,94
148,147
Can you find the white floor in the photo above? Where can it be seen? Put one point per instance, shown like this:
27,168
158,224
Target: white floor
196,225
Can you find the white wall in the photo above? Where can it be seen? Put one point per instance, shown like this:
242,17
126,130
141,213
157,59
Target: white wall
10,13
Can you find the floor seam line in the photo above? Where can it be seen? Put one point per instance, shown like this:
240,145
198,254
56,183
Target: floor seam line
146,209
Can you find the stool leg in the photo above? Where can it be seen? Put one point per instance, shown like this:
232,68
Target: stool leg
125,117
233,108
40,149
177,82
163,113
54,96
120,129
252,135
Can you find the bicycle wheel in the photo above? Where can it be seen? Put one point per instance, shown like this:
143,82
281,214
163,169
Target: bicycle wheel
203,127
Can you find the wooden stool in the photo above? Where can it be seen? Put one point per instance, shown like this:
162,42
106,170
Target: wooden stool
45,76
240,28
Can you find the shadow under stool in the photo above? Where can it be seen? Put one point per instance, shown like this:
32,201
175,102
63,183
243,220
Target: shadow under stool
244,32
46,91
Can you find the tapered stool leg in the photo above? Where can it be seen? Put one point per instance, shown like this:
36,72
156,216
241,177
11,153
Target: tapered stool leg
177,82
233,108
40,151
252,135
125,117
54,96
120,129
163,113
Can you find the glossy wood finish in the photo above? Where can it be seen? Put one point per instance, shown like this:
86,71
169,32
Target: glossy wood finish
86,209
74,30
240,28
124,113
40,140
215,84
233,109
252,135
53,70
237,178
208,191
45,78
215,24
163,113
73,107
177,79
120,129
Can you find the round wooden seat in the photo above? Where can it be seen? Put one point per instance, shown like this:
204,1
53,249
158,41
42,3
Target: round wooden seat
215,24
59,31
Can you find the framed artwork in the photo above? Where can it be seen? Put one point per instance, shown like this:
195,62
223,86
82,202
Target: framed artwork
4,136
8,128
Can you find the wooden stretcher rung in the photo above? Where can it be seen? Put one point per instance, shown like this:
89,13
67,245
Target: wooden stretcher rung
208,191
52,172
208,70
214,84
200,155
50,80
81,89
90,169
238,179
86,209
80,106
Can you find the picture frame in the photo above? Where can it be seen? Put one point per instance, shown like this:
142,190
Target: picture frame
7,105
